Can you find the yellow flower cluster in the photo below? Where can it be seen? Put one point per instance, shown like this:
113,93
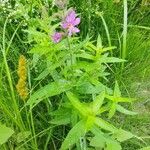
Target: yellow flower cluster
22,73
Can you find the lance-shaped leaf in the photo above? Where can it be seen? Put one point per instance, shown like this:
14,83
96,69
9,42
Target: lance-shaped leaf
122,135
97,103
105,125
125,111
5,133
106,59
117,92
108,48
99,140
99,42
74,135
90,122
112,110
82,108
120,99
113,145
145,148
104,141
52,89
116,98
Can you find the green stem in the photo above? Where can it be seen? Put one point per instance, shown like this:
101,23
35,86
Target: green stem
8,74
125,26
33,130
71,53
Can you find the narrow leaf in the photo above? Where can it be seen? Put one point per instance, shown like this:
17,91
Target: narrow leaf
113,146
22,136
104,125
52,89
5,133
98,102
125,111
112,110
108,48
74,135
77,104
99,42
122,135
145,148
111,60
117,92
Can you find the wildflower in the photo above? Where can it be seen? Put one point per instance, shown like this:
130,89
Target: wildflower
22,73
71,22
61,3
56,37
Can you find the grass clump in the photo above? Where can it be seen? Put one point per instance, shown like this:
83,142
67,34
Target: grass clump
76,70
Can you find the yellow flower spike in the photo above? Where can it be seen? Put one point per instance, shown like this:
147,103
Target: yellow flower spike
22,74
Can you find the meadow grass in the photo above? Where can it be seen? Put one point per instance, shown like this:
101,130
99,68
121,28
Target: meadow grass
128,30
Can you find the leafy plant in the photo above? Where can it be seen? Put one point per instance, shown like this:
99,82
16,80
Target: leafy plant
77,68
5,133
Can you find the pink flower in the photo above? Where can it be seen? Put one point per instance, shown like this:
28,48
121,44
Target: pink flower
71,22
56,37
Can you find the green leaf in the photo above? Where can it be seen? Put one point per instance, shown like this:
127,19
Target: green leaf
122,135
90,46
112,110
108,48
124,99
145,148
99,42
52,89
113,146
43,74
83,109
88,88
86,56
74,135
125,111
61,120
90,122
98,141
120,99
105,125
105,59
5,133
97,103
40,49
117,92
22,136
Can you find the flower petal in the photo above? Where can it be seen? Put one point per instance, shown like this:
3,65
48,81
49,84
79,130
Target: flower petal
64,25
76,21
75,30
56,37
70,16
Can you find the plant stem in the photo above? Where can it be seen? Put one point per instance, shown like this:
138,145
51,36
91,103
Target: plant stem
124,47
8,74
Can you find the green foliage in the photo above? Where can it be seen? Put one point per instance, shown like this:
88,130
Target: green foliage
77,68
145,148
74,135
5,133
72,104
22,136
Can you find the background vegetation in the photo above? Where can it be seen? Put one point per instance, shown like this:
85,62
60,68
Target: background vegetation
105,18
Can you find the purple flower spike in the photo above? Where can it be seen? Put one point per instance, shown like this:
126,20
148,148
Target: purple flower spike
56,37
70,22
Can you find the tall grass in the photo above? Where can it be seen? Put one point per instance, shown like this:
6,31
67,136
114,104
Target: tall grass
106,18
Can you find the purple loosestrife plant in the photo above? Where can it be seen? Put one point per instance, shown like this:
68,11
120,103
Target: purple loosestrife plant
56,37
70,22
